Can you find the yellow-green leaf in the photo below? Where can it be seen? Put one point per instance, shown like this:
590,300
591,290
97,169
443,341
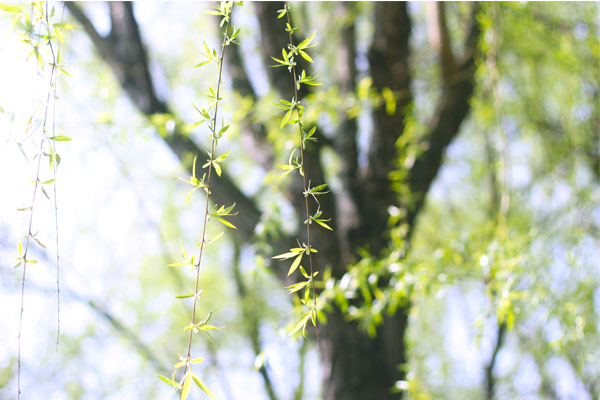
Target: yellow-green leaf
303,44
11,8
167,380
177,264
187,385
60,138
202,386
295,264
305,55
286,118
226,223
217,168
301,324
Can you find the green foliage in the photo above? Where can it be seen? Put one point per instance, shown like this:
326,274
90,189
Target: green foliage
294,112
220,213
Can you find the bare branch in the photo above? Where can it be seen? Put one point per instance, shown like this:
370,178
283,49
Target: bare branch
125,53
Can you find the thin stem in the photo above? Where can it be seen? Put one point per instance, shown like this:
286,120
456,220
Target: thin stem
54,166
210,164
35,188
308,221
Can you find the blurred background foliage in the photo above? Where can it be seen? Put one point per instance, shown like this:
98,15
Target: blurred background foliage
502,271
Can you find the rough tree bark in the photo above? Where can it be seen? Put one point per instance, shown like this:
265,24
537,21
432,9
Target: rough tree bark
355,366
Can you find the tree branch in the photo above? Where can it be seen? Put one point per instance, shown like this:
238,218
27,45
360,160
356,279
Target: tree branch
490,381
125,53
451,111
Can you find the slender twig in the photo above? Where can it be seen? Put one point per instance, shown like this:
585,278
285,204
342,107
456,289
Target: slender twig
308,221
54,166
210,167
35,189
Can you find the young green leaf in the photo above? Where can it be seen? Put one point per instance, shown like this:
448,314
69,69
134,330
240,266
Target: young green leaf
301,325
169,381
295,264
226,223
60,138
286,118
305,56
202,386
187,385
306,42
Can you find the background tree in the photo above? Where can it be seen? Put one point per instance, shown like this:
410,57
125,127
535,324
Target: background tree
401,82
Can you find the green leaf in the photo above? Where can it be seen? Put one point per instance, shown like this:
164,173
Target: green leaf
281,62
305,55
301,324
178,264
323,224
209,328
226,223
281,13
167,380
214,239
185,296
217,168
297,287
292,253
318,189
59,35
285,56
203,63
196,361
11,8
61,69
223,130
304,44
183,252
20,247
189,194
47,182
202,386
311,132
303,272
286,118
187,385
60,138
67,27
295,264
222,157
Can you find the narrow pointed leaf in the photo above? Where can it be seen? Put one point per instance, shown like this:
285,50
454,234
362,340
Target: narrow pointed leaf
295,264
202,386
187,385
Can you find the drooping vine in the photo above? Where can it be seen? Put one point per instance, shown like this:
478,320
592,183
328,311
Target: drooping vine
39,31
294,111
220,213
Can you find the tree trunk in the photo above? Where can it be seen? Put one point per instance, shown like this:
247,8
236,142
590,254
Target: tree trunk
355,365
